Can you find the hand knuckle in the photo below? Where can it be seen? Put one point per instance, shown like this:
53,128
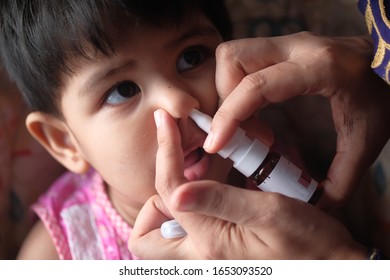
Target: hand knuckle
225,50
255,80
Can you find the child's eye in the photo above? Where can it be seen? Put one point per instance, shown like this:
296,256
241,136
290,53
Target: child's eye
190,59
122,92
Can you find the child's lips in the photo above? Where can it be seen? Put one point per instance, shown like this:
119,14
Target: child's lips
193,157
196,164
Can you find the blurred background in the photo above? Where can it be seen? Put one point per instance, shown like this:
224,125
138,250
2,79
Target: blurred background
253,18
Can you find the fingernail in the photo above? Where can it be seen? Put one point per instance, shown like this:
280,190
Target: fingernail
209,141
157,118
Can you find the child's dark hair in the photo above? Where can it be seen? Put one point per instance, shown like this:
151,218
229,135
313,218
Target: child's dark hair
39,39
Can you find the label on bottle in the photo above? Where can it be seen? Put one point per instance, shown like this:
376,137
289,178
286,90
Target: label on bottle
286,178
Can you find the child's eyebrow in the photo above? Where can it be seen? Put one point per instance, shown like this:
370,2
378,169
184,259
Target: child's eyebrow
102,75
197,31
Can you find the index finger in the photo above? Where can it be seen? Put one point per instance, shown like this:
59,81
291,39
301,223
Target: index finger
170,170
169,158
253,92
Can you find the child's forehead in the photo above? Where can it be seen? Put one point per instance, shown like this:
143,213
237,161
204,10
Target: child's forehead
132,45
128,38
120,31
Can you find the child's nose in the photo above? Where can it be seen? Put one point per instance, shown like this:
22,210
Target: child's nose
177,101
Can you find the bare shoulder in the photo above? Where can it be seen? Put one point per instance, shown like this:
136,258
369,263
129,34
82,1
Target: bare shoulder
38,245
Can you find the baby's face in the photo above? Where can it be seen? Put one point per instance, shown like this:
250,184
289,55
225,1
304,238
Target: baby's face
109,103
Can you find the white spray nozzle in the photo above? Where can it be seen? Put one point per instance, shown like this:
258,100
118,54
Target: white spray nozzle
244,152
172,229
202,120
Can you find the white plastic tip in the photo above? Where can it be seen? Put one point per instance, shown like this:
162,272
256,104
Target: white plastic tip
172,229
202,120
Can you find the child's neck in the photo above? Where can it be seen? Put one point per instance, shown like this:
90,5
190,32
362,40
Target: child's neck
126,209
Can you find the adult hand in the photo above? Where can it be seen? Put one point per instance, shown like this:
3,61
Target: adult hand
225,222
252,73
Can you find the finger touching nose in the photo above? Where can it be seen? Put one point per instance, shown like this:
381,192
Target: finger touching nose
169,158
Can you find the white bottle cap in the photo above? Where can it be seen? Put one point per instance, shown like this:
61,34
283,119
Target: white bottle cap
246,154
172,229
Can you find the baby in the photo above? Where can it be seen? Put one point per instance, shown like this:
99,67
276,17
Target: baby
93,73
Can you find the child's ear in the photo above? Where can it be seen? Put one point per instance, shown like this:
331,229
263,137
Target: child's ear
55,136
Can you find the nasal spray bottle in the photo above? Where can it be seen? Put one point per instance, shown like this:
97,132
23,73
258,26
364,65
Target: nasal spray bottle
268,170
